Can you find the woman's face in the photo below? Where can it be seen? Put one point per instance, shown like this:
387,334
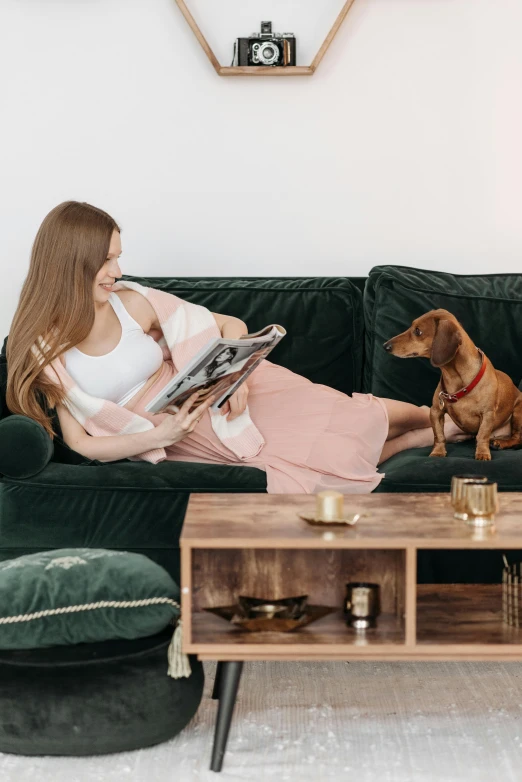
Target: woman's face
109,272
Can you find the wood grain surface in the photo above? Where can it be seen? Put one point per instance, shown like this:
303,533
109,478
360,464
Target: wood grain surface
462,614
419,520
331,630
266,70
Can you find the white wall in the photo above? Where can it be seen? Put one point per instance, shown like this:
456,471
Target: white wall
404,147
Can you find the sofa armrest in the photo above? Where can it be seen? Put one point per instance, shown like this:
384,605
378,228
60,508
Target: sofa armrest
25,447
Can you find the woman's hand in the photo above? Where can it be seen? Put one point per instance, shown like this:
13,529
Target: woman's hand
237,403
181,422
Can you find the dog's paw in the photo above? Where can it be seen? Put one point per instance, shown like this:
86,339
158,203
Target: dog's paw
439,452
483,456
495,444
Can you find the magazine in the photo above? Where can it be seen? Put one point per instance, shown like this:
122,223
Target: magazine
219,368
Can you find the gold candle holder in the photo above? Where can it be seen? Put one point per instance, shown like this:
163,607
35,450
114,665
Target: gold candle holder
458,483
480,503
329,505
329,510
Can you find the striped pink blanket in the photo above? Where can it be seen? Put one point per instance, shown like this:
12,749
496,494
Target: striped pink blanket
186,329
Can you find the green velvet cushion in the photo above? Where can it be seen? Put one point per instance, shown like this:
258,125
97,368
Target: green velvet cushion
25,447
488,306
414,470
322,315
96,698
83,595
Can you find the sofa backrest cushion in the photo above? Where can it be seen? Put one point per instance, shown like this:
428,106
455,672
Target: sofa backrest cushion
322,315
489,307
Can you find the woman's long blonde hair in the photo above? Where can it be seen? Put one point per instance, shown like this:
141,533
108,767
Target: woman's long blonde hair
56,303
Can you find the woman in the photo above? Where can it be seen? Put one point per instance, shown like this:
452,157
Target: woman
315,437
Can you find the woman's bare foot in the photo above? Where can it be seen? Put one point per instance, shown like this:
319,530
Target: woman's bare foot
453,433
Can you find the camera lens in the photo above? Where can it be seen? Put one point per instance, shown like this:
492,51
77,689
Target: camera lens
268,53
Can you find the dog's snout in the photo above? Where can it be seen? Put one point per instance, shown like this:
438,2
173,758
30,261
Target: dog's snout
388,347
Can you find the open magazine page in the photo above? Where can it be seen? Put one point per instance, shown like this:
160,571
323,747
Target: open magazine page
215,370
250,365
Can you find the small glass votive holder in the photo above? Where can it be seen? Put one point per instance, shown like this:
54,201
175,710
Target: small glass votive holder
458,482
362,604
480,503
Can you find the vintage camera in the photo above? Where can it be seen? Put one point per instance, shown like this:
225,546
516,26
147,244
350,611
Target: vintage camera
265,48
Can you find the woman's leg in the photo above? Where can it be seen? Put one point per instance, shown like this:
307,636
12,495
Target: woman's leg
417,438
403,417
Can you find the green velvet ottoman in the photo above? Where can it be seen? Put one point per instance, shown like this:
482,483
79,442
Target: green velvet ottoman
96,698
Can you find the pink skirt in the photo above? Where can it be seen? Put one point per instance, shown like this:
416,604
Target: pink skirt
316,438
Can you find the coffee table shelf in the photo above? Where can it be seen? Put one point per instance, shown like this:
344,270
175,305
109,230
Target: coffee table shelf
457,614
213,632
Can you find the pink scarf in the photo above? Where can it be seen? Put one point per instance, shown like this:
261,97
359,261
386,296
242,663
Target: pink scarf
186,329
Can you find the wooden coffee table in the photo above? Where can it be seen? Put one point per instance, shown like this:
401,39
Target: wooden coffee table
256,545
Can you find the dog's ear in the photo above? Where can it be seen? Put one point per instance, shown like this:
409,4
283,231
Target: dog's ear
445,343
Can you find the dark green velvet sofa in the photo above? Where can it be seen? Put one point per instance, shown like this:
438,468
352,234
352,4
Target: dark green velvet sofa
52,497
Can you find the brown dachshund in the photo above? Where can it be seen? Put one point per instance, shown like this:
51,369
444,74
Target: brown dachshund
478,397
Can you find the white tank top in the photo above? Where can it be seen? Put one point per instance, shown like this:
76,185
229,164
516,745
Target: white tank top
120,374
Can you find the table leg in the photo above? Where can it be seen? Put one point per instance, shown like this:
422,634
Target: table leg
228,686
217,681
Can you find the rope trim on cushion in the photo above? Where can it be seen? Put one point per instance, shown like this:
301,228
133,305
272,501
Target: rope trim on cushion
89,607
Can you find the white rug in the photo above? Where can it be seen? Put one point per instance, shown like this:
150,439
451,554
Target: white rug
308,722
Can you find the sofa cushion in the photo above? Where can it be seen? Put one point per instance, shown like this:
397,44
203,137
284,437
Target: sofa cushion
322,315
414,469
488,306
124,505
83,595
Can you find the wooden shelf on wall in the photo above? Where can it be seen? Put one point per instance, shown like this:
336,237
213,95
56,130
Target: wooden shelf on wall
266,70
296,70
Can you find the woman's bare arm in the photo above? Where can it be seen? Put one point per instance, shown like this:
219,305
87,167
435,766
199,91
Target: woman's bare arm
105,448
230,327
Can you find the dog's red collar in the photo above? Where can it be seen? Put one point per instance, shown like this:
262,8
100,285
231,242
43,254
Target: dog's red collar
443,395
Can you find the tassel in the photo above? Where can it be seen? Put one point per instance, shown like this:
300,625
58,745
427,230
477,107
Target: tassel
179,664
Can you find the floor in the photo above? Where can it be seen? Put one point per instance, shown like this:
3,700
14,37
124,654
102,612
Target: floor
361,721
